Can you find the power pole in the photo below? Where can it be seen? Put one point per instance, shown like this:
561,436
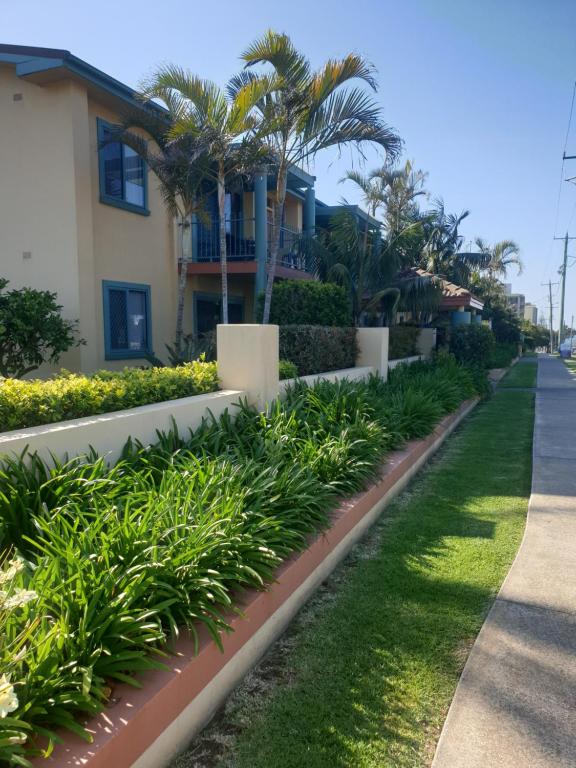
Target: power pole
551,326
563,269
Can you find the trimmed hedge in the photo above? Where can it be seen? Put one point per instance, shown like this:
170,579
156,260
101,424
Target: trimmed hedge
502,355
71,396
402,341
287,370
472,345
308,302
315,348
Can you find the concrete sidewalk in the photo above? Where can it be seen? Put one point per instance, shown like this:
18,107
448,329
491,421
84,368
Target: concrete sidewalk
515,705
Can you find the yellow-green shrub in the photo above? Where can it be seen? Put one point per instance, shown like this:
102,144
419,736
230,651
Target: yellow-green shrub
71,396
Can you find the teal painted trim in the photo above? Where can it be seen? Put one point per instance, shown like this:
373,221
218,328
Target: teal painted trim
117,202
30,60
260,230
127,354
216,297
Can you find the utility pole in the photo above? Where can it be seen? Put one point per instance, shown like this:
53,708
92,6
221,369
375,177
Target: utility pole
551,310
551,326
563,269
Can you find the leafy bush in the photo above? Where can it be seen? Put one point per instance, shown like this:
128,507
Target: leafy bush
308,302
287,370
70,396
315,349
117,559
32,330
502,355
402,341
472,344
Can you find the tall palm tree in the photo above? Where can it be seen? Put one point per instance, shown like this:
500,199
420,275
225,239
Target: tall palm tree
500,256
400,188
180,164
221,121
304,111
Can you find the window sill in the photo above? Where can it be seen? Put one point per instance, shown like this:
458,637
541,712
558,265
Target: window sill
116,203
128,354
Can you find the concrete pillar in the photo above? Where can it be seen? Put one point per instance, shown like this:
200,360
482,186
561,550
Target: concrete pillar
309,213
260,228
248,360
426,342
373,349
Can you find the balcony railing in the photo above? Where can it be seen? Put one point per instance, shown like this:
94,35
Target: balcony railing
241,244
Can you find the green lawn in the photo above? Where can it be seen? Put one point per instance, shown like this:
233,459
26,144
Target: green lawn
571,365
367,671
523,374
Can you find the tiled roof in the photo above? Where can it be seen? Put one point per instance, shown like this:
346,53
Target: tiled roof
452,294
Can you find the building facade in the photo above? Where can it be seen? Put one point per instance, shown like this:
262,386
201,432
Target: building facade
87,220
531,313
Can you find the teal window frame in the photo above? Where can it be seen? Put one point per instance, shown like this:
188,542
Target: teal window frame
126,354
118,202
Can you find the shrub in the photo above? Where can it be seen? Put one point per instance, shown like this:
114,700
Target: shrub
287,370
314,349
308,302
502,355
70,396
402,341
472,344
32,330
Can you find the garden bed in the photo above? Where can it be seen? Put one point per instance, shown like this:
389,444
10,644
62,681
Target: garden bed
146,727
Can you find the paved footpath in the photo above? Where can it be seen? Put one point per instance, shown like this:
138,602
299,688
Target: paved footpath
515,704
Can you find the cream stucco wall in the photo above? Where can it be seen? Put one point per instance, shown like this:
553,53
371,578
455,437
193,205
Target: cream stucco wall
55,233
39,243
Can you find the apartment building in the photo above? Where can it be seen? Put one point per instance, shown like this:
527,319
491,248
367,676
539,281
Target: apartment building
87,220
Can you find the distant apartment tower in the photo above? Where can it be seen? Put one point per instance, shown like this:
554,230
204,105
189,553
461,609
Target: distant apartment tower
517,301
531,313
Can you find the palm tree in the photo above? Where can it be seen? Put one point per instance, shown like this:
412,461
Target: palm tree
303,112
221,121
500,256
400,188
180,164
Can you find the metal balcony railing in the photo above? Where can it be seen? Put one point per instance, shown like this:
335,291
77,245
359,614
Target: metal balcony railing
241,243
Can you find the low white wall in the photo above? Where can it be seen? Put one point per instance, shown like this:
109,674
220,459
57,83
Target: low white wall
107,433
404,361
426,342
352,374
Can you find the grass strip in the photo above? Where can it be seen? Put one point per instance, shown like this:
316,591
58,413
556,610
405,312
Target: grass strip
523,374
368,681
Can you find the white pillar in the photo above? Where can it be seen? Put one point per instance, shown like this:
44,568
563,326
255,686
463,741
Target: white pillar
426,342
248,360
373,349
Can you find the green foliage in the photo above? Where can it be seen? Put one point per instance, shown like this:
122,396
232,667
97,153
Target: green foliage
163,540
502,355
70,396
472,345
314,348
308,302
402,341
32,330
287,370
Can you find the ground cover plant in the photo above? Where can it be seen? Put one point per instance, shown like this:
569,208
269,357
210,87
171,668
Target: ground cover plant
366,673
105,565
523,374
71,396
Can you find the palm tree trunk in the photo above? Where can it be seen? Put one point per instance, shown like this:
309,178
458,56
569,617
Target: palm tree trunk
222,231
182,278
275,239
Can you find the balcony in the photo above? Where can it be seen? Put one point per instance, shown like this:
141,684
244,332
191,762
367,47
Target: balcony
294,259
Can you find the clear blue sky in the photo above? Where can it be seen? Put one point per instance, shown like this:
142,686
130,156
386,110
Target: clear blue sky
479,91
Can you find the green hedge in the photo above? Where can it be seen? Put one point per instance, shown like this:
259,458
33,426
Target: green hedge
315,348
502,355
71,396
402,342
472,345
308,302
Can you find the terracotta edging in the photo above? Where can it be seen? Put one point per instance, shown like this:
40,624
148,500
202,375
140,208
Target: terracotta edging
145,727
